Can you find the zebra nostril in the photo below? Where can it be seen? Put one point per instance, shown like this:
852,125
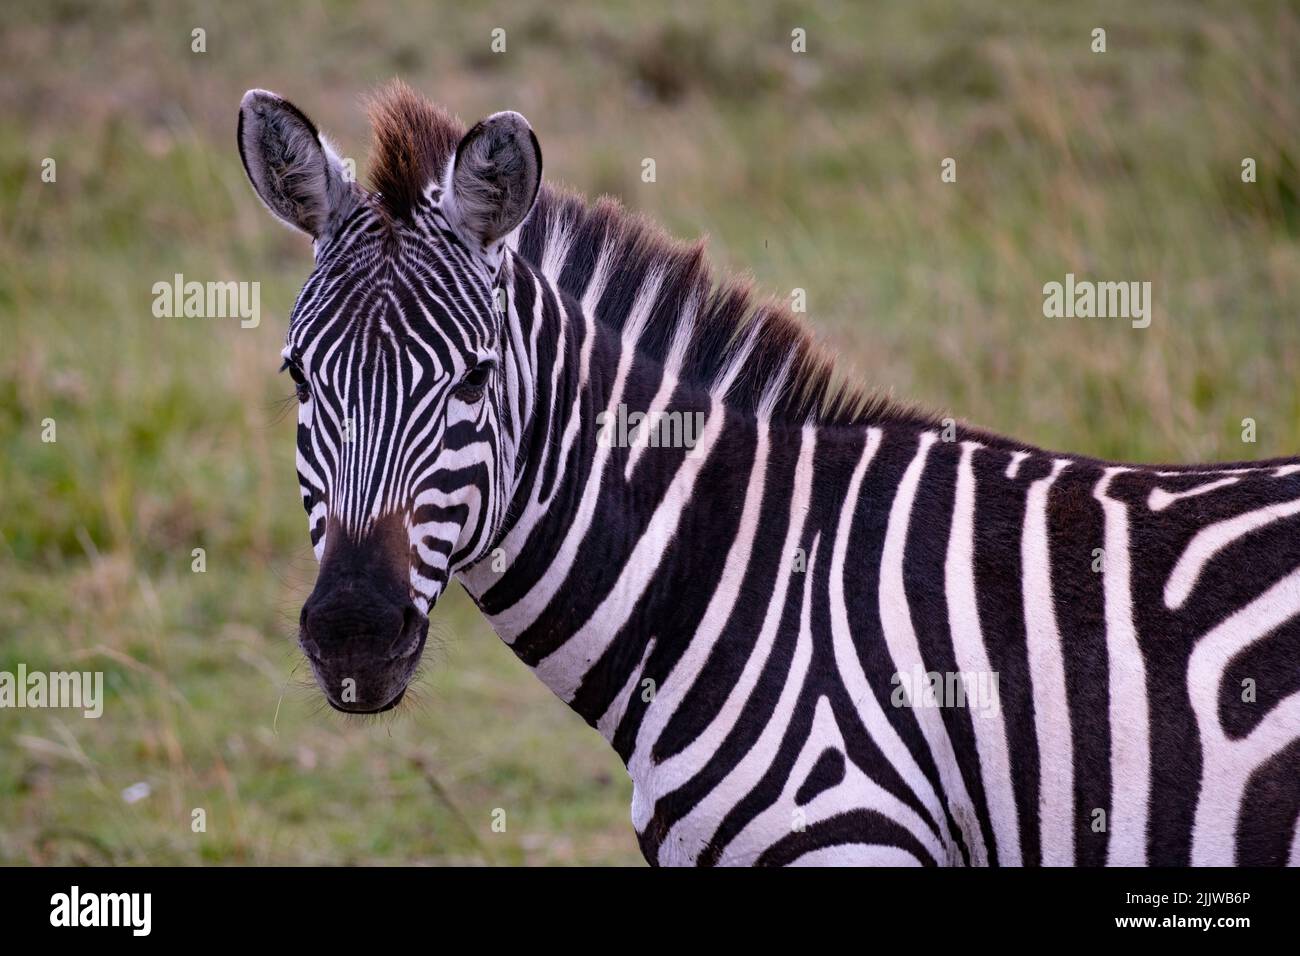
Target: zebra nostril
412,620
310,647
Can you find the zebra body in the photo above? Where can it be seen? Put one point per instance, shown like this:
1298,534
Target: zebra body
1087,588
756,622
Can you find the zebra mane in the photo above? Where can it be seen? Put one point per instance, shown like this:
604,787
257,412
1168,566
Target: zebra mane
724,336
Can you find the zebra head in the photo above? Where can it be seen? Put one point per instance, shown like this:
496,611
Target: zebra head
407,428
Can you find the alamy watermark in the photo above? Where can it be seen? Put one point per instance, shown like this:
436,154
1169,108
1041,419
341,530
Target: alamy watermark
133,911
624,429
79,690
977,690
1086,299
208,300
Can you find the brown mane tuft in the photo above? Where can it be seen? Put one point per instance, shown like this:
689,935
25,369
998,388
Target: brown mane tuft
413,142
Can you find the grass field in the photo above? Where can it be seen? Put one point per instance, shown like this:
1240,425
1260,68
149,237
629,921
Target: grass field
818,171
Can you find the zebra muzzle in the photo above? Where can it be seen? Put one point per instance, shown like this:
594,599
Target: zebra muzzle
363,649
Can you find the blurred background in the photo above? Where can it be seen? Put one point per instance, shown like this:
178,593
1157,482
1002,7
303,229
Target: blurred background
816,170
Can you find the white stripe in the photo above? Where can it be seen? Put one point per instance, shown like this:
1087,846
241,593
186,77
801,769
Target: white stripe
1210,540
900,638
686,670
1013,468
564,668
481,578
972,657
555,248
849,667
613,716
1130,727
1159,499
1226,764
632,331
1047,680
705,816
678,769
514,620
595,290
855,791
857,854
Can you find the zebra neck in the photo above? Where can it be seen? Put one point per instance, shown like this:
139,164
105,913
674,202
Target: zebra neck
625,472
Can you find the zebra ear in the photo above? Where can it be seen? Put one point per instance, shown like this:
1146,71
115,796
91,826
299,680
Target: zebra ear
494,180
291,166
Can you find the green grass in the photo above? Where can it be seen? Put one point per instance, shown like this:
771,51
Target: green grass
818,171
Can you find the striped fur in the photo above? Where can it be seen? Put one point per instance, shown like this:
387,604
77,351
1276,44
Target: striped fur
736,618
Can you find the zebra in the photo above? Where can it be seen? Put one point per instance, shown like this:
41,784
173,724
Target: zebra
763,625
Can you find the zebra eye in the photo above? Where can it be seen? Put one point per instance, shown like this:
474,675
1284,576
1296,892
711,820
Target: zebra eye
299,380
470,388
